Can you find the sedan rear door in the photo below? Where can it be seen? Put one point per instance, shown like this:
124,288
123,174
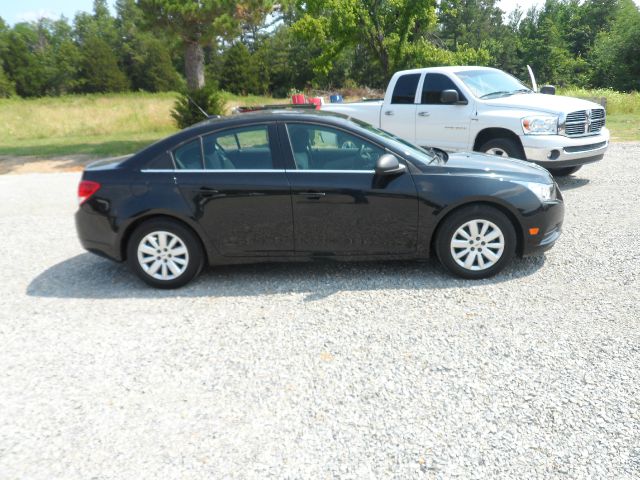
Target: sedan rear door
238,190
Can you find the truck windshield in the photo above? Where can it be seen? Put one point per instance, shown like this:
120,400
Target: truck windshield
413,151
491,83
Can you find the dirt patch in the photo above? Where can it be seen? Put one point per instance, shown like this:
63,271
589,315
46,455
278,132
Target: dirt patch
31,164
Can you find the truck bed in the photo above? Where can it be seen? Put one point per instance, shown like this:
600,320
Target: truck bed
366,111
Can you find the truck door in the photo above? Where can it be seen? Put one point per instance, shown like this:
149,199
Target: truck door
399,112
441,125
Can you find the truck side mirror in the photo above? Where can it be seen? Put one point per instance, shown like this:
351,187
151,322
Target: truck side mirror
548,89
449,96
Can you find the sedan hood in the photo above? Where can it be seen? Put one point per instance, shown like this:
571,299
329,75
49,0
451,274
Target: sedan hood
479,164
545,103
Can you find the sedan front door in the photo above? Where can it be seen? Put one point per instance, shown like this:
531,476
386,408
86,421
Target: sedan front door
340,206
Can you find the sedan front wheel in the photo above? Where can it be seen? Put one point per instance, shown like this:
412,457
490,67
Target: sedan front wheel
476,242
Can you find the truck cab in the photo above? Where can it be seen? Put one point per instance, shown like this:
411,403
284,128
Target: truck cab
487,110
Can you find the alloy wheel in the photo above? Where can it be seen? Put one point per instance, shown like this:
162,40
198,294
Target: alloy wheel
477,245
163,255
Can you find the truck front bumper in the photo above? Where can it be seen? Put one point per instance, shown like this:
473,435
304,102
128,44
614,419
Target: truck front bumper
557,151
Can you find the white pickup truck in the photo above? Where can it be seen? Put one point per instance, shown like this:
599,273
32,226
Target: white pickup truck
487,110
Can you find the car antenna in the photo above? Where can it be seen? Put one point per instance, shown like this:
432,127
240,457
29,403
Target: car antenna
206,115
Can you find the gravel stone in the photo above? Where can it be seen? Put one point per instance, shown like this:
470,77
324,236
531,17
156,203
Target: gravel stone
326,370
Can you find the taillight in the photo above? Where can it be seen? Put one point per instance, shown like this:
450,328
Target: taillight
86,189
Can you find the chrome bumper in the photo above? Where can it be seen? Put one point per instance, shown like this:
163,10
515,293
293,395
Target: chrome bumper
558,151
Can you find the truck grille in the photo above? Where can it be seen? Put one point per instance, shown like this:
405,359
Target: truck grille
584,122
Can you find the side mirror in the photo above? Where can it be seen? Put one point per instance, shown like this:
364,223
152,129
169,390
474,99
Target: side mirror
548,90
449,96
388,164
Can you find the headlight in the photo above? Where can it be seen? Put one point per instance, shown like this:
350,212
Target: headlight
543,125
543,191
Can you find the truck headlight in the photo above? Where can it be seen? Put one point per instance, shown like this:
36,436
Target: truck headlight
544,191
540,125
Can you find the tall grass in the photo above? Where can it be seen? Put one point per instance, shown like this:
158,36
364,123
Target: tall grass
99,124
84,116
617,102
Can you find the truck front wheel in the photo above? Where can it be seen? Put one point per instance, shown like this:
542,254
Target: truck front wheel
502,147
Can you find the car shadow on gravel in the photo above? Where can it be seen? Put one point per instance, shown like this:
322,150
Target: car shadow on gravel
89,276
569,183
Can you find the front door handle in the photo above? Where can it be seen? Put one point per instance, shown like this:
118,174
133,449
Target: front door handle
389,112
312,195
424,114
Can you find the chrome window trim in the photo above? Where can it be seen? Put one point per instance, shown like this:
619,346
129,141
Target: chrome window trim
229,170
331,171
219,170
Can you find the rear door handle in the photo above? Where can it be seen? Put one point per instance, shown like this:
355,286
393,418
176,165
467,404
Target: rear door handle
312,195
389,112
208,192
424,114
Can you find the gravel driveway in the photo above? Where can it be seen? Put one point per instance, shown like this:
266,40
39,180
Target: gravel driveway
390,370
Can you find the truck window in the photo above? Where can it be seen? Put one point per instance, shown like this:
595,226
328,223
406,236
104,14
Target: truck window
434,84
405,89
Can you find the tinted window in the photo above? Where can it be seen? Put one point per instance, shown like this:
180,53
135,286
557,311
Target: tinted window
189,156
316,147
405,89
434,84
245,148
161,162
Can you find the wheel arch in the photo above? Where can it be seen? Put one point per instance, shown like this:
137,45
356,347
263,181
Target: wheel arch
492,133
131,227
498,206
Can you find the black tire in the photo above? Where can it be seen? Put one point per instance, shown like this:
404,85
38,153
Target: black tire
191,263
509,147
563,172
480,213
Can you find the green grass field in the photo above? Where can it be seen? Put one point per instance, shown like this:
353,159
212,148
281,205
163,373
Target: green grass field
116,124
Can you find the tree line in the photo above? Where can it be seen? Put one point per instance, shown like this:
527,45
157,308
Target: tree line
268,47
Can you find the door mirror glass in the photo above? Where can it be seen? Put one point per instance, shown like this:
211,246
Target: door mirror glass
548,90
388,164
449,96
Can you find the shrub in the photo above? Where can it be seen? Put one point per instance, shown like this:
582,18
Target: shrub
191,103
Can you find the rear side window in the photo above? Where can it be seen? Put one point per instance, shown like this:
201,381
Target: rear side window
434,84
405,89
188,156
244,148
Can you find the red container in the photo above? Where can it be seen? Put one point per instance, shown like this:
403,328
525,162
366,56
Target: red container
317,101
298,99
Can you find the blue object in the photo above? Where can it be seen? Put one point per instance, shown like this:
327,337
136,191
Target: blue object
335,98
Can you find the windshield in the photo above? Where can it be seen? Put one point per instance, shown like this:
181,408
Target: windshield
408,149
491,83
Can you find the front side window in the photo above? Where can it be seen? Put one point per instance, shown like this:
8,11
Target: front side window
405,88
244,148
318,147
434,85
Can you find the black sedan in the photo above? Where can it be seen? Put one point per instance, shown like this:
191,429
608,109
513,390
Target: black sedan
292,185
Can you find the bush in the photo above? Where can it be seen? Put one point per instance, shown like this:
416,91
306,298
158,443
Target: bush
186,111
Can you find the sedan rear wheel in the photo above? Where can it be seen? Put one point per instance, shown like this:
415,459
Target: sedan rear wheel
476,242
164,253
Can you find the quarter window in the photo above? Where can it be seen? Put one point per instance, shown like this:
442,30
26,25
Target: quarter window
405,89
189,156
245,148
434,84
316,147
